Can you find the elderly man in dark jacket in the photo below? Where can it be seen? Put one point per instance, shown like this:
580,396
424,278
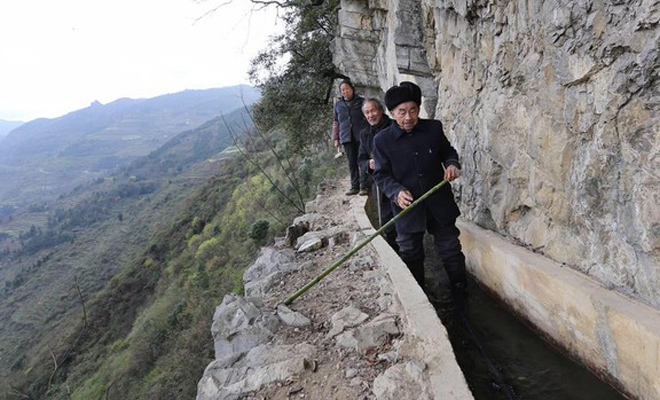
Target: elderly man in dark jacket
412,156
347,123
375,114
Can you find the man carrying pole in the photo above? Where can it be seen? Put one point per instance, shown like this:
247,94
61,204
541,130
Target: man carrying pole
375,115
412,156
409,158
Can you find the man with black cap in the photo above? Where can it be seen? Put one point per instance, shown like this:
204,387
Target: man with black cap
412,156
347,124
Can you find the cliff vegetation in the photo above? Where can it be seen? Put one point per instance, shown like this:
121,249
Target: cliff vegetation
144,256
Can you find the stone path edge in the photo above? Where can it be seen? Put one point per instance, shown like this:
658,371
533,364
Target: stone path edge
426,337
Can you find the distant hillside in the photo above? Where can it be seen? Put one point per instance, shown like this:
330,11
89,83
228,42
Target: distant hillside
118,281
8,126
95,231
47,157
193,147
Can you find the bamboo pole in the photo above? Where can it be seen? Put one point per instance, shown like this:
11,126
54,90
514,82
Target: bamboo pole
348,255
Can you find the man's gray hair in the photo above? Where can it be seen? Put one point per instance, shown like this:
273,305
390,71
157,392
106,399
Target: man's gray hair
373,100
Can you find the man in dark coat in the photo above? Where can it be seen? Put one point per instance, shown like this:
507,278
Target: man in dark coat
375,114
347,123
412,156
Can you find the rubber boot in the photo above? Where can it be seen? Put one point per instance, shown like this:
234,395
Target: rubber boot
417,270
455,268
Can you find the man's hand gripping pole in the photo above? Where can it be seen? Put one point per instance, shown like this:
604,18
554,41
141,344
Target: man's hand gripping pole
357,248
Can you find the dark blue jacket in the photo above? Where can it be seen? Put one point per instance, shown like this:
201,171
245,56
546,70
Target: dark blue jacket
367,142
414,162
348,114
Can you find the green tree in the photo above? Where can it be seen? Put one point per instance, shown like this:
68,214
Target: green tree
258,230
296,97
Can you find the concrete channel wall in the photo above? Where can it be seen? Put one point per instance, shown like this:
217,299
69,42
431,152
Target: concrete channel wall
615,336
426,337
618,338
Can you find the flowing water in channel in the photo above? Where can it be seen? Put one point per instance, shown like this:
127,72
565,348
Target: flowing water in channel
501,357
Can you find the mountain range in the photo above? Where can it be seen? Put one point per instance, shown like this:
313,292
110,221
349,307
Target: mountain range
8,126
44,158
89,234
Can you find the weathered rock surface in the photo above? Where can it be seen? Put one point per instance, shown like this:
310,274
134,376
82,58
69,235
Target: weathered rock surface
332,343
292,318
314,240
300,226
374,334
553,107
261,365
271,266
399,380
239,325
346,318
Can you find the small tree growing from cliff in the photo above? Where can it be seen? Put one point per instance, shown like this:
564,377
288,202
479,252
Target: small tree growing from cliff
296,73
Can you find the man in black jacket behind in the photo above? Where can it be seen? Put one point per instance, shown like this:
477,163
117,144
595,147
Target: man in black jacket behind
375,114
411,155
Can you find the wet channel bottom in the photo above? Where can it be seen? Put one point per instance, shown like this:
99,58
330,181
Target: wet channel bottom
502,358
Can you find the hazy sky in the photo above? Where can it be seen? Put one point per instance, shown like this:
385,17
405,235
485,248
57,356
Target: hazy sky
60,55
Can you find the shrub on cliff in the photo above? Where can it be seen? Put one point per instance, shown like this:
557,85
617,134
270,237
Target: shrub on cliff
258,230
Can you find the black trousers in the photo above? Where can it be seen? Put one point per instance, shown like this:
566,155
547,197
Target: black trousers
359,179
447,244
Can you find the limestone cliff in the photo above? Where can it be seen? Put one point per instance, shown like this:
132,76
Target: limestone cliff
553,107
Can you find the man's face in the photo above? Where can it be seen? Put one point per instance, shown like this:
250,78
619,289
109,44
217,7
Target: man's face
406,115
372,113
346,91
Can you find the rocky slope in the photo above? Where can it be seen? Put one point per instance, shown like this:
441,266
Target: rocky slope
346,338
553,107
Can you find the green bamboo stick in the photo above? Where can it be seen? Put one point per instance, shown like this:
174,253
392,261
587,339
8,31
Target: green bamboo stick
348,255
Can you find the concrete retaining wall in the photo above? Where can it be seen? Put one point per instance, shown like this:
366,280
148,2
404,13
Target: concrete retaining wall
618,338
615,336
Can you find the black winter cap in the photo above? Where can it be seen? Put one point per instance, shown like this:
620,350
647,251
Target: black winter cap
406,91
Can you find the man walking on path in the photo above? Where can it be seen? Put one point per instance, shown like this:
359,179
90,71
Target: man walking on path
375,114
347,123
412,156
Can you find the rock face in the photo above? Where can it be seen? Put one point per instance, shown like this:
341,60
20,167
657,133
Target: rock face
240,325
553,107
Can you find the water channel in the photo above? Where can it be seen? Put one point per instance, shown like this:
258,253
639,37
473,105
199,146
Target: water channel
502,358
